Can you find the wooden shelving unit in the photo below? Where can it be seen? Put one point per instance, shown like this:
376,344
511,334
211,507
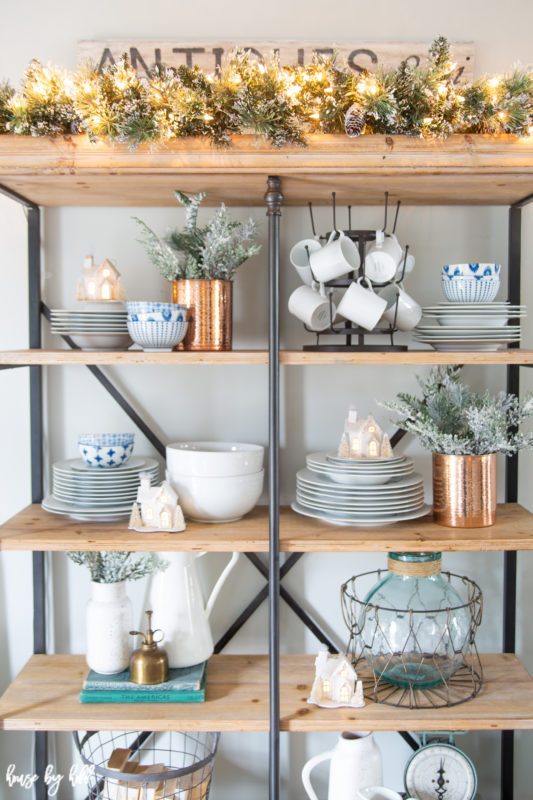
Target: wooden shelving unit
251,357
45,696
35,529
71,171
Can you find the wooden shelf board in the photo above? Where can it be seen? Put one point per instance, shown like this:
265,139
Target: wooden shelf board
505,702
130,357
463,169
44,696
35,529
251,357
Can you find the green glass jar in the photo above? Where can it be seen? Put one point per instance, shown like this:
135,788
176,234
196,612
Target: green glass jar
416,628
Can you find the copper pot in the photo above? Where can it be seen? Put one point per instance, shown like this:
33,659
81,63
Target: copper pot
464,490
209,313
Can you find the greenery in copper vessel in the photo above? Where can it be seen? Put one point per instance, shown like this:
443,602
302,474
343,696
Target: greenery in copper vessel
213,251
113,567
452,419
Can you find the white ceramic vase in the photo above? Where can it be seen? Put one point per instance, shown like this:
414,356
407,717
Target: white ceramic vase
108,623
355,763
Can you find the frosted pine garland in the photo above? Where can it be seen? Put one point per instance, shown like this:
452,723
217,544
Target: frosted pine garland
280,104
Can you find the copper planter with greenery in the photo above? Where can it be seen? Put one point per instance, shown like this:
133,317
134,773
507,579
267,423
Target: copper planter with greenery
464,490
465,431
209,313
201,263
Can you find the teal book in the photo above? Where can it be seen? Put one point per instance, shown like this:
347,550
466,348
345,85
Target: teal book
180,679
179,688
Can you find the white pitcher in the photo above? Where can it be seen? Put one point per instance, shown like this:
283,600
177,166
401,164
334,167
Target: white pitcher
178,605
355,763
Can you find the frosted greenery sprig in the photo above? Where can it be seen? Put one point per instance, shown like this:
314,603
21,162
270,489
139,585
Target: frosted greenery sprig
214,251
113,567
450,418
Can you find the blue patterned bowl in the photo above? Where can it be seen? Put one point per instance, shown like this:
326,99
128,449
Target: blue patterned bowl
158,336
146,310
477,271
104,450
470,290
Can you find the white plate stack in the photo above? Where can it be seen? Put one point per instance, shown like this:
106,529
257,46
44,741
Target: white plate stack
93,329
90,494
368,492
471,326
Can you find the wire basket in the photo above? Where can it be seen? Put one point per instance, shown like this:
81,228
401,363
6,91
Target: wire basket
373,656
160,766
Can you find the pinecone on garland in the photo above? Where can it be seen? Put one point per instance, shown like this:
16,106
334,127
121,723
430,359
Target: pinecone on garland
354,121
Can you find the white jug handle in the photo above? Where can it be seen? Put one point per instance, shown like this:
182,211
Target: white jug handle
218,585
306,772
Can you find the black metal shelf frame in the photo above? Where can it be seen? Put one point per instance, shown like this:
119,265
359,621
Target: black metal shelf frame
274,572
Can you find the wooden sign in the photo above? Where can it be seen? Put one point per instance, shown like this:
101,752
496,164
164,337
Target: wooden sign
209,55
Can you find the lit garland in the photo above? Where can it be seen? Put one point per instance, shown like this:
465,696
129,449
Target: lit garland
280,104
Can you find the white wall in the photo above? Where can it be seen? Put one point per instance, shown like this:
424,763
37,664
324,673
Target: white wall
230,402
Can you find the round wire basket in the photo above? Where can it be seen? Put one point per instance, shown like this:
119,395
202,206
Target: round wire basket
153,766
372,655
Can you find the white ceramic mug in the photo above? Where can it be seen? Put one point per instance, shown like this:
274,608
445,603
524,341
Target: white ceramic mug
409,311
299,257
409,266
382,258
361,305
338,257
312,307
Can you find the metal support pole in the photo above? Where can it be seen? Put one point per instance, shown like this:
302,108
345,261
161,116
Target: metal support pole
273,200
511,496
36,438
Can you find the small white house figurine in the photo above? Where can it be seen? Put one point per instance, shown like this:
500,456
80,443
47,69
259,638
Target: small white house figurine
335,683
363,438
99,281
156,509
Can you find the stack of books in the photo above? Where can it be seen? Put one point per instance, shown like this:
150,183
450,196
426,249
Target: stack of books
184,685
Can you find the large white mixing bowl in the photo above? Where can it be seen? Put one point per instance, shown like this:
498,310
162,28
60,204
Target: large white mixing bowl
214,458
217,499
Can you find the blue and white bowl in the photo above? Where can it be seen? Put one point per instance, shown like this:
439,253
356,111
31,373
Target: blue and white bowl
477,271
104,450
157,336
148,311
470,290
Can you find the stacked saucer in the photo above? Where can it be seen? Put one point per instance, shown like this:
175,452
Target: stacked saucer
375,491
89,494
471,326
93,328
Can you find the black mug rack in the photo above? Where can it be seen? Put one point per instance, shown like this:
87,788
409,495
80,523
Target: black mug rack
347,329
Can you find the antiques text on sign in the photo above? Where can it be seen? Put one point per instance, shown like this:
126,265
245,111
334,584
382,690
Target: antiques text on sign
359,55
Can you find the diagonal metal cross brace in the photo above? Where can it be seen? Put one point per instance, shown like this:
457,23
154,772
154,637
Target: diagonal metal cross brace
254,604
115,394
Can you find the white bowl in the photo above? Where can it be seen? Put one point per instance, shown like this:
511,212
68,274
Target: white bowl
217,499
214,458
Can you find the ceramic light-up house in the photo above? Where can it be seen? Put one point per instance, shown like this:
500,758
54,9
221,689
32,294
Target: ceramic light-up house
363,438
335,682
99,281
157,508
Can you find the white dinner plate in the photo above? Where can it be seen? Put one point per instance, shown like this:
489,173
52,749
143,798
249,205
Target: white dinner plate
135,464
359,462
348,519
